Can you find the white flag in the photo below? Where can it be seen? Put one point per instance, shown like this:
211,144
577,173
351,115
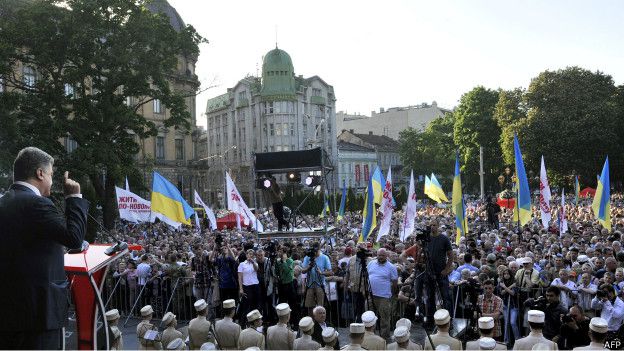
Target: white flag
132,207
236,204
410,211
209,213
127,186
386,207
544,196
197,225
563,222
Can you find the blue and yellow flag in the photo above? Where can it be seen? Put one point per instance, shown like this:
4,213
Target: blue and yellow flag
459,209
577,190
167,200
436,190
522,212
325,210
369,215
343,201
428,190
602,199
379,183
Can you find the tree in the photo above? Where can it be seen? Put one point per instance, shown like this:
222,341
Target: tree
89,58
573,120
475,127
509,113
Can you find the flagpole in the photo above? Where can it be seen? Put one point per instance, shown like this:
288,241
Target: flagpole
518,205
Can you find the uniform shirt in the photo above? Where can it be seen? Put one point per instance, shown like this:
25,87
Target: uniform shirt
250,337
169,335
305,342
249,273
474,345
227,333
381,277
443,338
373,341
530,340
142,328
410,346
199,332
280,337
591,346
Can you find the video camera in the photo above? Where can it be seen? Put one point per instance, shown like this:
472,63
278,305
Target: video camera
423,234
219,240
362,253
271,249
536,304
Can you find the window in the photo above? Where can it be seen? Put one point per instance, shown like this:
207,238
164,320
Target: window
285,128
157,106
271,129
278,147
179,149
242,95
316,92
29,77
160,148
268,108
292,129
69,90
292,147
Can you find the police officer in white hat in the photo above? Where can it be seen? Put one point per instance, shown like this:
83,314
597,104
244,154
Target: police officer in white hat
403,342
598,329
371,340
170,333
280,336
486,330
250,336
149,342
536,322
487,344
305,342
330,338
442,320
176,344
200,328
226,331
356,335
116,339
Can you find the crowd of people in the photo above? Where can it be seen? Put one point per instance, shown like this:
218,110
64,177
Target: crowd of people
512,286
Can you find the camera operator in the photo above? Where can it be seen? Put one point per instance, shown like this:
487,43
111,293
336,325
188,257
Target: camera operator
574,329
553,311
355,286
317,266
491,305
611,307
226,266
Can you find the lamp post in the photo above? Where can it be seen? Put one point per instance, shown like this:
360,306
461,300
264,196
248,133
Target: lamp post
222,156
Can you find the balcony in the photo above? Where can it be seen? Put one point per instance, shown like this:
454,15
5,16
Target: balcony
243,102
318,100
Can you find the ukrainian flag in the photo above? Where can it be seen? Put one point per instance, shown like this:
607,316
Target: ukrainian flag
436,189
369,215
602,203
522,213
325,210
459,209
428,190
378,185
577,190
343,201
167,200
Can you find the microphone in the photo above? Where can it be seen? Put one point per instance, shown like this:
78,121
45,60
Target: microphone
120,246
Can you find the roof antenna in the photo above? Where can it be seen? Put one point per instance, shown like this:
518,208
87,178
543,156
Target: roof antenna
276,36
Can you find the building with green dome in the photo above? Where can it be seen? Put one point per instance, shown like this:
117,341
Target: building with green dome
278,111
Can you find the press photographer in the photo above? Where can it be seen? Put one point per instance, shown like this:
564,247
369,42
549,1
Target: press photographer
355,285
611,307
317,266
552,308
574,329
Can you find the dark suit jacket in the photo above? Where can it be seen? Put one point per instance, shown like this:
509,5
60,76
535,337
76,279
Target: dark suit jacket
35,294
317,335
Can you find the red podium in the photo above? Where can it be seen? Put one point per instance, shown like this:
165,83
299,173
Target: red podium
86,272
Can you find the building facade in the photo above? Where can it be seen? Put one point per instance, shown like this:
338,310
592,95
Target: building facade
390,122
355,162
278,111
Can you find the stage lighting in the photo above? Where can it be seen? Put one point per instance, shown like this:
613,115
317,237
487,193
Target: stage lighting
313,181
263,183
267,183
293,177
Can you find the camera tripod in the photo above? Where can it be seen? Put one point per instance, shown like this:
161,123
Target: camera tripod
367,292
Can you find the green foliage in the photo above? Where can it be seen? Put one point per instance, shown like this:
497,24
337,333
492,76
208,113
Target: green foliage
107,51
430,150
509,113
475,127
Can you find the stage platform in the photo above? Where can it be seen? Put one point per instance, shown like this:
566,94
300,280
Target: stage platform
298,233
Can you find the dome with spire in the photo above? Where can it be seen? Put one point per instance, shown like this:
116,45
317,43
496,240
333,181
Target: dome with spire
162,6
278,76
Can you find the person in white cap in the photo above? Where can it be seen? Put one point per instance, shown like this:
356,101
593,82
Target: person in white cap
280,336
200,328
144,326
330,338
486,330
176,344
371,340
444,347
536,322
170,333
598,329
442,320
250,336
226,331
208,346
487,344
403,342
356,335
116,338
305,342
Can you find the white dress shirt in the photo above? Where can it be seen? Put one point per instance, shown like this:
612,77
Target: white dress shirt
612,313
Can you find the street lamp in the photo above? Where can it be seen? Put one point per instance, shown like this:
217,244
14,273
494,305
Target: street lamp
222,156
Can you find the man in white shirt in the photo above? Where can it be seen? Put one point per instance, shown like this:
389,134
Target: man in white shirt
144,271
586,292
568,289
383,278
611,307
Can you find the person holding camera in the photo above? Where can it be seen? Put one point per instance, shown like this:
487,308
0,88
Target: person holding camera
285,274
317,266
574,330
355,286
226,266
610,306
552,309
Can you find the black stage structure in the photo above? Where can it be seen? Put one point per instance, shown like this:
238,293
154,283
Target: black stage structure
282,162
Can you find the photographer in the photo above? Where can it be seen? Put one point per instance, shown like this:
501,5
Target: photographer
574,329
226,266
552,309
317,266
354,285
611,307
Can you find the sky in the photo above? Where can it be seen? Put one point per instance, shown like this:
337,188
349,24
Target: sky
398,53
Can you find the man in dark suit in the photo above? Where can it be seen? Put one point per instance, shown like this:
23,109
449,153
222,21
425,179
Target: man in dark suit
33,233
319,314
